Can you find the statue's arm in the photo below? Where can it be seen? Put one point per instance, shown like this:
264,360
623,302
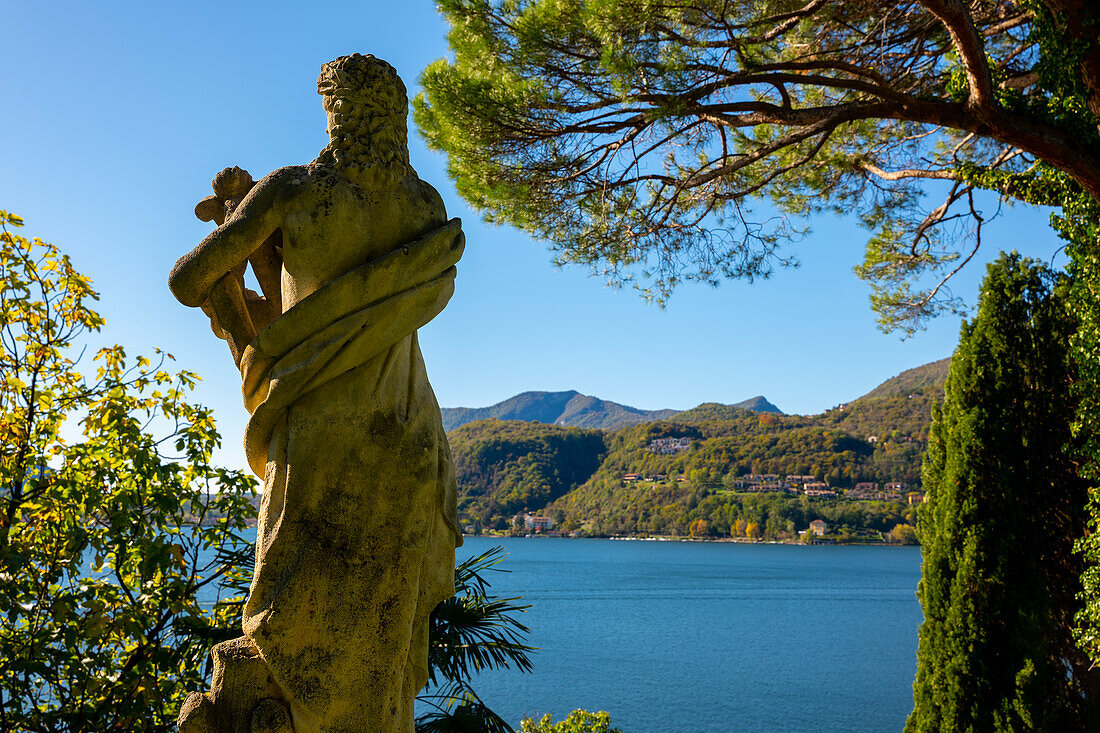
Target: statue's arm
252,222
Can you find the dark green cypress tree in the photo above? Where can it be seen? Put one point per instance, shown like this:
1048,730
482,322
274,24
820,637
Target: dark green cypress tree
1004,506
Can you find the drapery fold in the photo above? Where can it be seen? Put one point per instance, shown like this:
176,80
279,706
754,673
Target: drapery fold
348,322
357,529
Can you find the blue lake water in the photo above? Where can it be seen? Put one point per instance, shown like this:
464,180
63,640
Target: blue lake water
676,637
690,637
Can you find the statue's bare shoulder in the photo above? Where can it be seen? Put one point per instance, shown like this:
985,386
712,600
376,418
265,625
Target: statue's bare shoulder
358,522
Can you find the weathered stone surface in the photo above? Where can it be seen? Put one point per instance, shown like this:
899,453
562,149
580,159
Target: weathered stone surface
196,715
357,531
243,692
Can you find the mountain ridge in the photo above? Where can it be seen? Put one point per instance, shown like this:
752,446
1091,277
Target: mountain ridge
571,408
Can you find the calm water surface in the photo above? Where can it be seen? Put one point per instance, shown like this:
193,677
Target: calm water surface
674,637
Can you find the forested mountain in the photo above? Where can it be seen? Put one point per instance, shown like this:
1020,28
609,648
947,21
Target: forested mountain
758,404
583,477
572,409
503,467
919,379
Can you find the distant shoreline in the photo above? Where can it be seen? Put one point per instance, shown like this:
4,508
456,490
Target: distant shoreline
726,540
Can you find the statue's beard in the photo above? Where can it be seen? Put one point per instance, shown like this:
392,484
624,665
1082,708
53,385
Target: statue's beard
373,153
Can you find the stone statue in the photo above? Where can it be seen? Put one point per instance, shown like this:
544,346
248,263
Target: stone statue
357,530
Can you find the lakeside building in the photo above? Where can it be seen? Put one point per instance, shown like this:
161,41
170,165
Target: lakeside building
533,522
793,484
818,527
862,493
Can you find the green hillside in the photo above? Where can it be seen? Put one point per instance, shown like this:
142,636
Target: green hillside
701,483
623,482
929,377
673,508
504,467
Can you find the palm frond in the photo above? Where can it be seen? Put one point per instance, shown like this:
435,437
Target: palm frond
458,709
473,631
470,632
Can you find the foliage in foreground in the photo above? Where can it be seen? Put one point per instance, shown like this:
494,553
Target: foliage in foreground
107,540
578,721
105,483
999,576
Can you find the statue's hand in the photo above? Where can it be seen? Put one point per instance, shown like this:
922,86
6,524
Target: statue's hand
230,313
261,310
215,326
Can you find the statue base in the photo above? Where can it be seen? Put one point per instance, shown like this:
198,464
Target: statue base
243,697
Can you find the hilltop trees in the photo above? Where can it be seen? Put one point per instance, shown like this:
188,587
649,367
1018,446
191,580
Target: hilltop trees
999,575
112,519
504,467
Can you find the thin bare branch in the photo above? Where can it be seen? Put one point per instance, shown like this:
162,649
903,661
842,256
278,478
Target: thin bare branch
946,175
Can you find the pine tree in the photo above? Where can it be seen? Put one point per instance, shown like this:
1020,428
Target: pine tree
1004,504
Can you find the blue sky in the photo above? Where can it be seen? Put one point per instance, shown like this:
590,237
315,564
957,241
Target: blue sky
118,115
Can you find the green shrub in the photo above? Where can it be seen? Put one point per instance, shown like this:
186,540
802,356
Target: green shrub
579,721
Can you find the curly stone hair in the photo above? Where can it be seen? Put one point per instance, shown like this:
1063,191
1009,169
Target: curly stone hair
369,135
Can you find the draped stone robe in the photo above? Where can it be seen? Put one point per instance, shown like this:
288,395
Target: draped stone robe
357,529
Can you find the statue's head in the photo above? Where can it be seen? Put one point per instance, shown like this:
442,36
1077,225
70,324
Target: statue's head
367,107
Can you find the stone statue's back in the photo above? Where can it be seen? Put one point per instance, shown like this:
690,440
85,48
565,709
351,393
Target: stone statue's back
331,224
355,545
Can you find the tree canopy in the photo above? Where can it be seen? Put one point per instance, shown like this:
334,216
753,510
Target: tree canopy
116,531
640,136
